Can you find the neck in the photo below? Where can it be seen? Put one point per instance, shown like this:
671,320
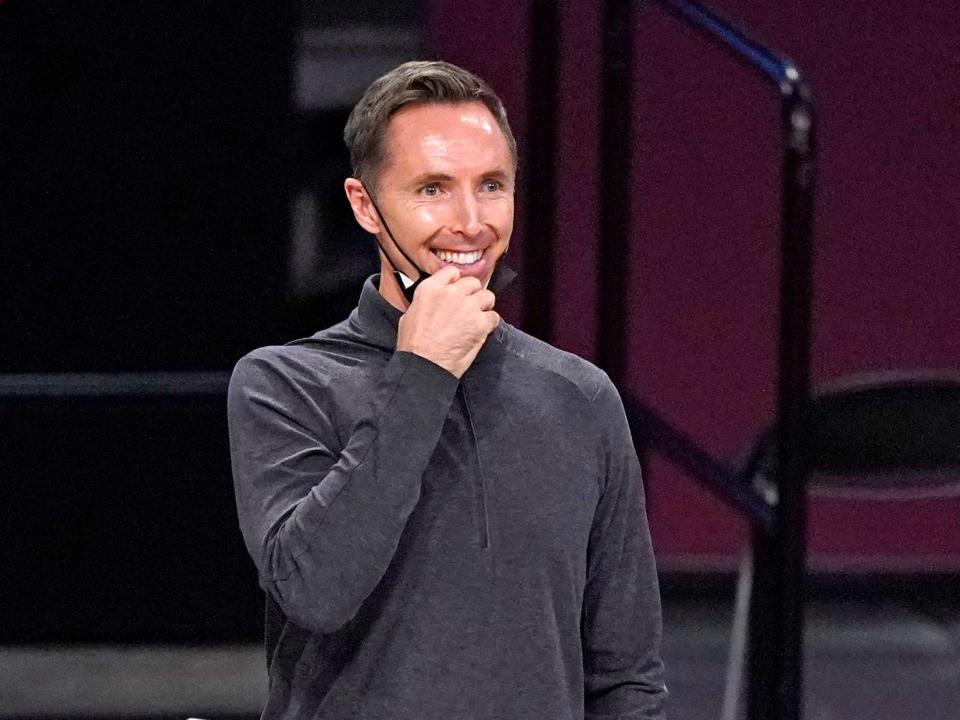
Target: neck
390,288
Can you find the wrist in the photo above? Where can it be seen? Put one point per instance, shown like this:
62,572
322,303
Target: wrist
428,360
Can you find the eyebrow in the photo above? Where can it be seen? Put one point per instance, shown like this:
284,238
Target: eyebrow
497,173
430,177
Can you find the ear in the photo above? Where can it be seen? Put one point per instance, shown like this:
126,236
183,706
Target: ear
363,209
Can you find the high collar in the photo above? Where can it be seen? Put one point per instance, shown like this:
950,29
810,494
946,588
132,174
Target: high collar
376,320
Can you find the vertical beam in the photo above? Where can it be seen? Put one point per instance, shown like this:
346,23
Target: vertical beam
616,128
540,173
775,690
776,628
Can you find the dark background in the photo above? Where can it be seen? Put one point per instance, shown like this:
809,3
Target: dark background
170,198
163,168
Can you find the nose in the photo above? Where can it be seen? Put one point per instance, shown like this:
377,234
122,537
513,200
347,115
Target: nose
466,216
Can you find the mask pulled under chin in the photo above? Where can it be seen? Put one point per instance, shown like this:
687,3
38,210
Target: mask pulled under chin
502,276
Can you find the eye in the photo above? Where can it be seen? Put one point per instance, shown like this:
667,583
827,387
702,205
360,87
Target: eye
492,185
431,190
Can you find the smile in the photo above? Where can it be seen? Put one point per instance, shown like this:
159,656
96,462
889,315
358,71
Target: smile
459,258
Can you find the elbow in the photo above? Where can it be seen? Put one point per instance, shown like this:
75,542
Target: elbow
318,591
320,623
319,612
314,597
637,694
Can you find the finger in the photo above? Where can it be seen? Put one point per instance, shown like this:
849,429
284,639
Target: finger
446,275
493,318
485,299
469,285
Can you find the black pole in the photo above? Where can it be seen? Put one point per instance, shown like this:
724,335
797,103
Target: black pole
616,127
776,617
540,160
651,430
775,688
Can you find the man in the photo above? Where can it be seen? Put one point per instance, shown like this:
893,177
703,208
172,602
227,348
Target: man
447,512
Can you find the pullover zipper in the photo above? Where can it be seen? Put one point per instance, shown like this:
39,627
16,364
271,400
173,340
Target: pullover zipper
483,522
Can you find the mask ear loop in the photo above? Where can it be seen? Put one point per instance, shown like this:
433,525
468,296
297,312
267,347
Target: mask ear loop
402,280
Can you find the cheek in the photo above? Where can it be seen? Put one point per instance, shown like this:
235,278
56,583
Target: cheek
504,221
427,216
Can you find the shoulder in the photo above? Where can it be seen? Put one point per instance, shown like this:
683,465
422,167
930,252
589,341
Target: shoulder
312,361
589,380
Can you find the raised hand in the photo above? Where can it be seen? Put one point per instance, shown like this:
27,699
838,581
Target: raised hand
448,320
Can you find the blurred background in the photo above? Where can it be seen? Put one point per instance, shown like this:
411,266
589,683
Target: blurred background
171,197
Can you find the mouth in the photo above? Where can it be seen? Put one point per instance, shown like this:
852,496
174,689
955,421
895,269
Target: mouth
460,259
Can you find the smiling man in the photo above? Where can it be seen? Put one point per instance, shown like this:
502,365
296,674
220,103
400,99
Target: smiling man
446,183
446,514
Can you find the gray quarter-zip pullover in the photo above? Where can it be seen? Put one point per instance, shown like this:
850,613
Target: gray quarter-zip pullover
444,549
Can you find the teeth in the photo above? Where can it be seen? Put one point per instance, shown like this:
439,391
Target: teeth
459,258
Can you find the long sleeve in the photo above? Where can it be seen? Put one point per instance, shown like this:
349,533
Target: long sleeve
621,624
323,523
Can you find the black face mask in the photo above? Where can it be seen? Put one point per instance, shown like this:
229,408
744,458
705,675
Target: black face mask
502,275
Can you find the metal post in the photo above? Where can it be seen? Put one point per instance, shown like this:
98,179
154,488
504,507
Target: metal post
776,619
540,159
616,127
776,616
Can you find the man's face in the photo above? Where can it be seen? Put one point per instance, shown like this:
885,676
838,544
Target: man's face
446,189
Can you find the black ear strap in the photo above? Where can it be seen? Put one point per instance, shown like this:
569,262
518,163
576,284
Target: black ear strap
407,291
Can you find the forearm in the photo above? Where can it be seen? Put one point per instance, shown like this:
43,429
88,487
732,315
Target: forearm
623,671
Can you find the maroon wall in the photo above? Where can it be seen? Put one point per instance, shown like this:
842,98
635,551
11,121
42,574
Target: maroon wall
704,259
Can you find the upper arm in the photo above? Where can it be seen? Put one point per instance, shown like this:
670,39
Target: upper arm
281,442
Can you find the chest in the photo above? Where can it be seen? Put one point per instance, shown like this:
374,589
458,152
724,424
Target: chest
514,478
514,475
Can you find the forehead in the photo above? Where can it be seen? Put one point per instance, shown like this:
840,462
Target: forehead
452,135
